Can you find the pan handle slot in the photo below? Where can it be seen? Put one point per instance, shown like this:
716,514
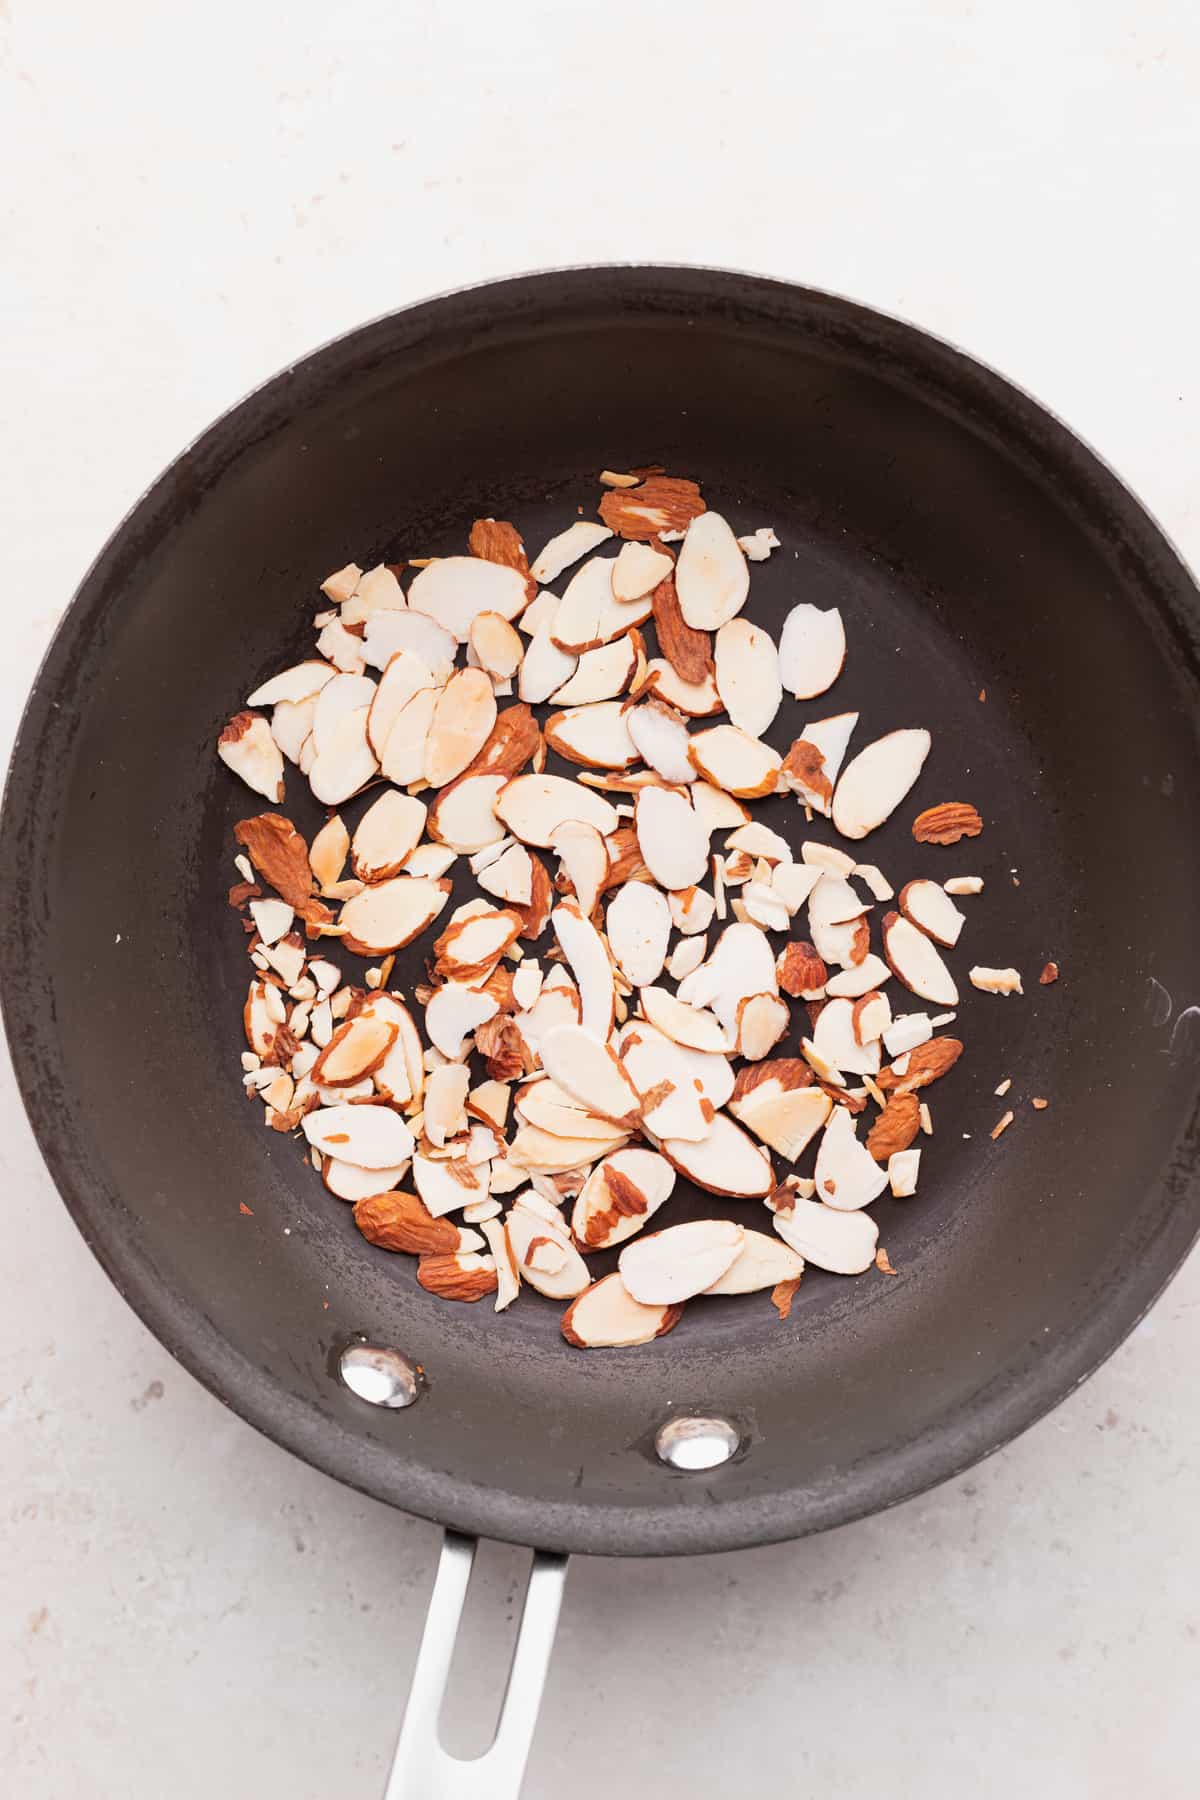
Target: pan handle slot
422,1769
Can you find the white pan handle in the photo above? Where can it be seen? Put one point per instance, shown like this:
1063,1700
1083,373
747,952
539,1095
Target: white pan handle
422,1770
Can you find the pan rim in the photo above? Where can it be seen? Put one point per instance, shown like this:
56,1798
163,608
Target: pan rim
1029,1390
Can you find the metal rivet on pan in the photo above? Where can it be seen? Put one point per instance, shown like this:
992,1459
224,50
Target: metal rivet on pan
695,1443
382,1376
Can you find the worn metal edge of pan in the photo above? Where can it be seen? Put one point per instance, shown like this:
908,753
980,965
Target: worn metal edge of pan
1029,1390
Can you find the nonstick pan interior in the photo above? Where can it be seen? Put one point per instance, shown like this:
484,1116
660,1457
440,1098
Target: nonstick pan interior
999,586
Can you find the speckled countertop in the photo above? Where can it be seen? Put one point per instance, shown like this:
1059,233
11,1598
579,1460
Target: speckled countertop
192,196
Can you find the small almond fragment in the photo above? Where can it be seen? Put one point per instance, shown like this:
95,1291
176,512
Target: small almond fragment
639,568
247,748
947,823
328,852
847,1176
800,971
600,674
964,884
459,1276
606,1316
1002,1124
992,981
762,1019
1048,974
692,911
567,547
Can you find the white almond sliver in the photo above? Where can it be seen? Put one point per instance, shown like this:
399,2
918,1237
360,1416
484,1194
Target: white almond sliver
584,950
794,883
902,1168
464,816
687,955
533,806
692,911
406,674
638,570
915,961
546,667
812,649
247,747
830,738
590,614
728,1162
301,682
698,699
508,1281
455,589
734,761
606,1316
927,905
711,576
762,1019
832,861
510,877
684,1024
859,978
588,1069
672,1265
672,840
764,906
403,759
841,1242
872,1016
619,1196
990,981
496,645
387,834
567,547
594,736
453,1013
343,695
875,782
660,737
964,884
388,633
583,858
526,984
906,1031
759,544
544,1103
759,840
546,1258
601,674
347,764
786,1119
446,1184
390,914
339,586
444,1114
834,1040
351,1183
874,879
747,675
762,1262
638,923
272,919
462,723
291,726
341,647
370,1137
742,963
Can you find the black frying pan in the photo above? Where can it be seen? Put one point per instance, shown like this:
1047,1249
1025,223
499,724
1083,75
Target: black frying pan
972,543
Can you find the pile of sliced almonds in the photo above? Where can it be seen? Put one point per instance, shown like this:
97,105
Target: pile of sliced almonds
630,994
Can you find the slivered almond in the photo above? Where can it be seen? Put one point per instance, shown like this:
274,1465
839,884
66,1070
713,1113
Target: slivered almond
928,906
991,981
405,676
445,1184
403,759
444,1114
340,647
841,1242
454,1011
545,667
762,1262
620,1195
691,911
510,877
687,955
385,634
247,748
859,979
353,1185
639,928
732,760
812,649
567,547
550,1108
533,806
903,1168
391,914
301,682
727,1162
490,1102
759,544
871,1015
459,1276
660,737
545,1255
914,960
847,1176
454,589
508,1280
347,763
669,1266
595,736
606,1316
659,503
964,884
546,1153
328,852
387,834
672,840
376,591
370,1137
291,727
584,950
875,782
747,675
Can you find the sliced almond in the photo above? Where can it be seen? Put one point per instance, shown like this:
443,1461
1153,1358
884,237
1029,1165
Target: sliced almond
697,699
533,806
344,695
589,1070
747,675
584,950
394,1077
545,1256
871,1016
878,883
462,721
391,914
291,727
759,840
841,1242
669,1266
672,840
684,1024
463,815
549,1107
567,547
762,1262
763,906
927,905
356,1049
386,836
353,1184
301,682
347,763
785,1116
849,984
711,576
606,1316
687,955
453,1013
875,782
386,634
444,1115
728,1161
672,1096
595,736
376,591
496,644
964,884
546,667
620,1195
446,1183
590,614
272,919
758,546
914,960
793,883
508,1281
835,1040
638,570
731,760
583,856
405,676
639,928
455,589
431,860
600,674
990,981
404,752
902,1169
527,983
510,877
557,1004
742,963
847,1176
370,1137
248,749
339,586
810,768
546,1153
762,1019
341,647
833,920
490,1102
660,737
474,941
812,650
692,911
906,1032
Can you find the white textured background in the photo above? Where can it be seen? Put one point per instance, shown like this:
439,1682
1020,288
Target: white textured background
192,195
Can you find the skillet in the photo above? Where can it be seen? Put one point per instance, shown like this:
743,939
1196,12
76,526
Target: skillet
999,585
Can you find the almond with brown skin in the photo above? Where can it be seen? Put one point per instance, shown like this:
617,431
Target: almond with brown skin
458,1276
1048,974
397,1221
790,1072
800,970
688,651
500,1042
495,540
660,503
625,858
925,1064
280,855
805,764
896,1126
536,913
947,823
782,1295
514,741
